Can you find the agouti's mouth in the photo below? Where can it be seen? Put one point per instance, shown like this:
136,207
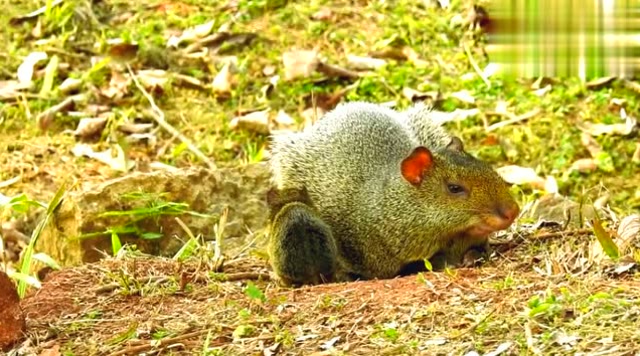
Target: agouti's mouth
490,224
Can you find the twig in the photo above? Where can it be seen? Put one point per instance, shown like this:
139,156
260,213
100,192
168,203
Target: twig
475,66
242,276
113,286
136,350
160,119
513,119
552,235
231,277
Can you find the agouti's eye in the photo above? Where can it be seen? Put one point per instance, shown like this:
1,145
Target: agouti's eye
455,188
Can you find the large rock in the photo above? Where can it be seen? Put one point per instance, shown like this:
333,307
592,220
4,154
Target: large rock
241,189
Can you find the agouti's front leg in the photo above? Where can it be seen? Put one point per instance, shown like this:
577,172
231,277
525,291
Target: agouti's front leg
462,251
302,249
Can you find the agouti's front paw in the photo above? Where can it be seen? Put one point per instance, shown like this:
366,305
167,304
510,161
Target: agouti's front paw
474,257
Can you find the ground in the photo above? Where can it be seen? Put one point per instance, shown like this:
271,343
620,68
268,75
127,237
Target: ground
523,301
551,295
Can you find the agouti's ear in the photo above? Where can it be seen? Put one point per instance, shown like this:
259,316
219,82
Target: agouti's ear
414,166
456,144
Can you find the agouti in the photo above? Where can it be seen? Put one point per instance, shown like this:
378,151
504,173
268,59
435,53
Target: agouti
381,189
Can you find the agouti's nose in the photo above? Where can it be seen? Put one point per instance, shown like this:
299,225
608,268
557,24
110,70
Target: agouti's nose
508,212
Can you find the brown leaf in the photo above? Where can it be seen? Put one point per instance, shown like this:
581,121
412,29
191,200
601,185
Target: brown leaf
130,128
283,120
153,80
12,320
121,51
70,85
223,80
521,175
324,14
365,63
416,96
624,129
192,34
590,144
464,96
335,71
636,154
299,63
90,127
629,230
414,57
584,165
11,89
257,121
45,118
599,82
118,86
14,21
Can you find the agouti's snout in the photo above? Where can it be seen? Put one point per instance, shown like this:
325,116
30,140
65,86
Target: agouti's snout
507,214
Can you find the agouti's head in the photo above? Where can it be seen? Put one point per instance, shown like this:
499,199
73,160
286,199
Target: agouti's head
467,193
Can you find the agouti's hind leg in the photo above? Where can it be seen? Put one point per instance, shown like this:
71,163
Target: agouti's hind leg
301,247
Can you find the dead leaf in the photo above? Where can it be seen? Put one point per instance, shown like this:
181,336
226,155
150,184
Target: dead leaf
414,57
12,320
283,120
149,139
118,86
365,63
584,165
311,115
299,64
11,89
46,117
502,348
130,128
37,32
636,154
14,21
464,96
324,14
122,51
590,144
521,176
223,80
490,70
90,127
629,230
153,79
416,96
272,350
543,91
455,115
329,343
26,68
52,351
614,129
599,82
70,85
191,34
269,70
257,121
119,162
335,71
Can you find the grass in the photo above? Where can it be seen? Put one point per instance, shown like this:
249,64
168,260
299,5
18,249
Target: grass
549,296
